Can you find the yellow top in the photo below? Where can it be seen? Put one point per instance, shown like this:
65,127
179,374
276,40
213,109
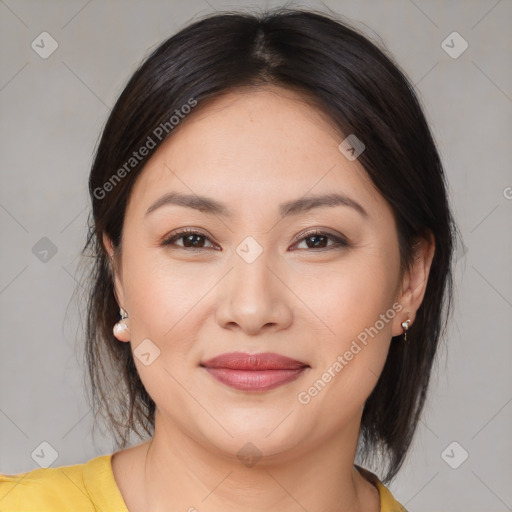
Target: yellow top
91,487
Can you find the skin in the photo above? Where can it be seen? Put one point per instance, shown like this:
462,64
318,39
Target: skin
253,150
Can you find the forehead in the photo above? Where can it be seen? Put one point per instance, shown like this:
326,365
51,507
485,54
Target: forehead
254,147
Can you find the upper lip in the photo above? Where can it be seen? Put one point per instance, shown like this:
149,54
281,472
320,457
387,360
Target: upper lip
262,361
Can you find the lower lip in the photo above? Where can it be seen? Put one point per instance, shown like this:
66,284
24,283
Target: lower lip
254,380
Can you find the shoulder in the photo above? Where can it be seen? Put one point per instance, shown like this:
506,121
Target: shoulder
79,487
45,489
387,501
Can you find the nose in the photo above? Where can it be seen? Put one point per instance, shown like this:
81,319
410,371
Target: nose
254,297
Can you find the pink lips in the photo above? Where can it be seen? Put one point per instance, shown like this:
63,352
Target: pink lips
254,372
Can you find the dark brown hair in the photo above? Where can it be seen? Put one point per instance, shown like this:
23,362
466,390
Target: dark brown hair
364,93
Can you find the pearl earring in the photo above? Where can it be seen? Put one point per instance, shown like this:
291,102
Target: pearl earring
405,326
119,327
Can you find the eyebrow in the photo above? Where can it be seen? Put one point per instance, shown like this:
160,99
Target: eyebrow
293,207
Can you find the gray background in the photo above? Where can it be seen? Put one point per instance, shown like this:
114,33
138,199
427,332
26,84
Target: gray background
52,111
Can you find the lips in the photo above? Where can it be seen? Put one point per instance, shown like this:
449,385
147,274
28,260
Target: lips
254,372
253,362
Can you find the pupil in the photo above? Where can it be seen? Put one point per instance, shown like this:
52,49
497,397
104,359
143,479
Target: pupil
190,238
315,237
191,241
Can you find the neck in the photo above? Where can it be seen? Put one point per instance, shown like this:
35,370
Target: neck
182,474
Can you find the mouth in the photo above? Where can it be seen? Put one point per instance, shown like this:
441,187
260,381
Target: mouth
254,372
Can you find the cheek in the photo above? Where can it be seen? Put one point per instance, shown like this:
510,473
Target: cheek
347,364
356,305
165,307
363,312
354,297
162,300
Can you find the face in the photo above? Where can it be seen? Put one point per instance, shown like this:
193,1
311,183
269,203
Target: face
318,284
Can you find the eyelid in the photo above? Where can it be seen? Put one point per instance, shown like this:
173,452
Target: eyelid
339,240
176,235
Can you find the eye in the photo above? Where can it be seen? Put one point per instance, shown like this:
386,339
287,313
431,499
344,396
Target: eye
191,239
319,240
316,239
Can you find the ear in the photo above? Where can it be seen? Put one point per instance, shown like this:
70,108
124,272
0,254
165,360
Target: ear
414,282
115,265
121,329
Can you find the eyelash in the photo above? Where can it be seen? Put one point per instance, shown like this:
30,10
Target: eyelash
339,242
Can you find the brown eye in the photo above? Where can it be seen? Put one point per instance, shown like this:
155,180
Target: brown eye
319,240
191,239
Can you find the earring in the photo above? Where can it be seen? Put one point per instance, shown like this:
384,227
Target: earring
119,327
405,326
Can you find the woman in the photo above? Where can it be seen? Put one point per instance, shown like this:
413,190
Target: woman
272,275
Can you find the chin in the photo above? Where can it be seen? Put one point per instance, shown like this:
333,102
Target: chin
254,447
256,433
